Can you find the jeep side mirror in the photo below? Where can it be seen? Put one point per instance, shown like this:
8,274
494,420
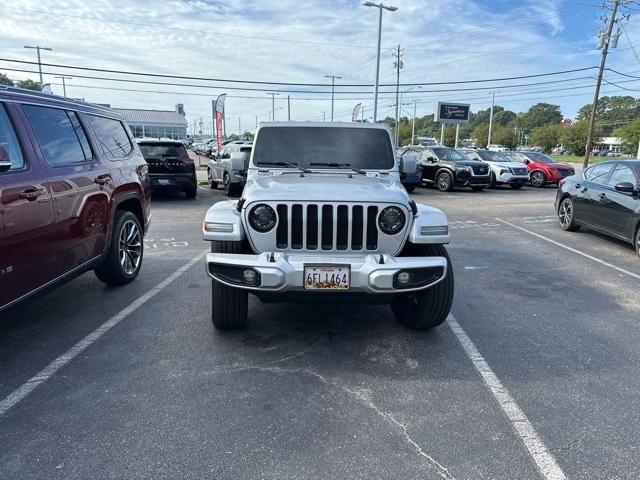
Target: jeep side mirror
5,161
625,187
237,161
408,164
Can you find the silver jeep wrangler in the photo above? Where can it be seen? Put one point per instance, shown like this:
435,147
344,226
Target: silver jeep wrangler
323,217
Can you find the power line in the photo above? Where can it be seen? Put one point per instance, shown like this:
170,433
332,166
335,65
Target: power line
297,84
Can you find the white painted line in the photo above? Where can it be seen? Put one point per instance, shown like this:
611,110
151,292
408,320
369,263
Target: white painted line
586,255
543,459
47,372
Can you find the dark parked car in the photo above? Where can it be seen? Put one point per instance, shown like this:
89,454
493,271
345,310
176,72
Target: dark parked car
411,180
74,194
543,169
446,167
170,167
606,198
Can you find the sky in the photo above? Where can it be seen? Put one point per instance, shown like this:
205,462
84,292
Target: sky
302,41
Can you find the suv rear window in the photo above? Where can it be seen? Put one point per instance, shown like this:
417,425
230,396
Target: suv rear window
112,136
60,135
163,150
9,141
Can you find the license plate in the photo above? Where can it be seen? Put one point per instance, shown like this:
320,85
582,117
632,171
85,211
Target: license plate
326,277
164,181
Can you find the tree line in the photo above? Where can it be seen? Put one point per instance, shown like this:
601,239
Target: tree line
542,125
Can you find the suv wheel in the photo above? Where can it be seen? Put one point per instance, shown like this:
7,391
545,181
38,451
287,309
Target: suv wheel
227,185
191,192
444,182
638,241
425,308
124,258
566,215
212,184
538,179
228,304
492,183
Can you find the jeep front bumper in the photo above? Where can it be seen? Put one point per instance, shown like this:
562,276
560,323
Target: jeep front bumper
284,272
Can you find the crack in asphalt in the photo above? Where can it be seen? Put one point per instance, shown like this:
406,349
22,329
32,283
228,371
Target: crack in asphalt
363,398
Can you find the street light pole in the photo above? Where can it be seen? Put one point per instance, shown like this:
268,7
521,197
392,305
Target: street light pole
493,99
379,6
333,87
37,48
273,105
413,126
64,85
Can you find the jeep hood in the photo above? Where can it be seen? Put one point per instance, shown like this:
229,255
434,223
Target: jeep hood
318,187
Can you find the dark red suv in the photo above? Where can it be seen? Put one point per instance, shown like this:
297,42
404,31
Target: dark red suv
74,194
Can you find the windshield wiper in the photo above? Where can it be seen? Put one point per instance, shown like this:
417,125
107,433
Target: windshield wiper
285,164
338,165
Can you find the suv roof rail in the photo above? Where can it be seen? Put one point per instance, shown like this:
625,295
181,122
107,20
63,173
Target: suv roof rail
37,93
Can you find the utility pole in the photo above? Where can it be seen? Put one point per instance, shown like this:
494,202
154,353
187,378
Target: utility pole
397,64
333,88
38,48
273,105
390,8
442,136
289,107
457,135
604,40
64,85
256,122
493,99
413,126
324,117
239,128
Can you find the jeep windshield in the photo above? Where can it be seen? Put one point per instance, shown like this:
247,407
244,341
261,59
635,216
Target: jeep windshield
450,155
323,147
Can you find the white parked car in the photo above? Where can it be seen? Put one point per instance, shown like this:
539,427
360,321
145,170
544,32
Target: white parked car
324,218
503,169
220,171
497,148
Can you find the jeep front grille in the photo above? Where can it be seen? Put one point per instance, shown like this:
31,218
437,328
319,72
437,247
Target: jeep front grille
318,227
326,227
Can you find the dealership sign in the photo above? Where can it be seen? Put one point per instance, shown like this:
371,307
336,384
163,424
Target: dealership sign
448,112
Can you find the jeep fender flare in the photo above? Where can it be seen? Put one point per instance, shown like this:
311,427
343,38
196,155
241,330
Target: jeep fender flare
430,225
224,213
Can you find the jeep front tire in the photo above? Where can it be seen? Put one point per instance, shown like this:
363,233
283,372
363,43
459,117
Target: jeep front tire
427,308
228,304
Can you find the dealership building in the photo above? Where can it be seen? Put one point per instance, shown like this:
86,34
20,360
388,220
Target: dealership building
156,123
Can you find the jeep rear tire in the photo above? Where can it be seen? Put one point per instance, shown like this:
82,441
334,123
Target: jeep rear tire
228,304
427,308
124,258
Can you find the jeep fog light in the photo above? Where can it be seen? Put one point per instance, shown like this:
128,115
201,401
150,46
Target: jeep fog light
249,276
403,278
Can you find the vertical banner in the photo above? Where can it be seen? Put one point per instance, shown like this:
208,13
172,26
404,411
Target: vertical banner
356,112
219,111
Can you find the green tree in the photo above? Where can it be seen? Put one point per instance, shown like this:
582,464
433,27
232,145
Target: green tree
504,136
630,135
547,136
575,137
4,80
540,114
481,135
612,112
30,84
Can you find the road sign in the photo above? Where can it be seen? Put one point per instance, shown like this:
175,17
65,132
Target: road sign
448,112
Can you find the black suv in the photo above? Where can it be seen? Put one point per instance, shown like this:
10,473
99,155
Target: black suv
170,167
446,168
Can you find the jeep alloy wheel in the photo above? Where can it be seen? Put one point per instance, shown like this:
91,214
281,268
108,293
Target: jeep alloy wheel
130,247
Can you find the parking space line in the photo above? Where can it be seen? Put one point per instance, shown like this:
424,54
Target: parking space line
571,249
543,459
47,372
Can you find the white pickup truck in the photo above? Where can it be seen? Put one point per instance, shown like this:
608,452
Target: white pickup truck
324,218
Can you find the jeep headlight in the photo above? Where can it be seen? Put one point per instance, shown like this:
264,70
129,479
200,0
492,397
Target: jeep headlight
391,220
262,218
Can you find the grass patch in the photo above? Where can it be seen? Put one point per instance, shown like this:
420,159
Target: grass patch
580,159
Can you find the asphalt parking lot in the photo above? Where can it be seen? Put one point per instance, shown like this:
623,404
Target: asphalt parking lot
535,375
